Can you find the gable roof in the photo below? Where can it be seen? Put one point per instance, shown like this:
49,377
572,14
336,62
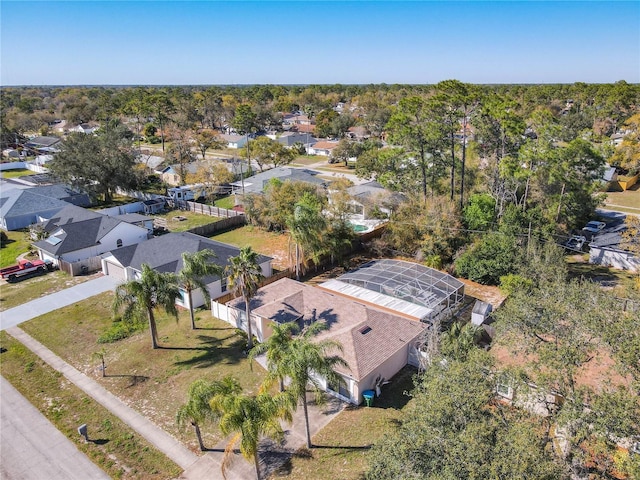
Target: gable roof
368,336
325,145
74,236
164,253
256,183
69,214
372,190
26,202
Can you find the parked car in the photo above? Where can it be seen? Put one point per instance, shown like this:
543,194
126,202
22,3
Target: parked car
594,226
575,242
24,269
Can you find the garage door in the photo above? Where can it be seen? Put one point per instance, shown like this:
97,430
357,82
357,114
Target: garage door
115,271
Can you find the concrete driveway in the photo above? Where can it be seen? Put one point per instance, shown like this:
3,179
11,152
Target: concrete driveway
40,306
32,448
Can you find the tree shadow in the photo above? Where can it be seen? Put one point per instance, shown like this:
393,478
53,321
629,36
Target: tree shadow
213,352
133,379
99,441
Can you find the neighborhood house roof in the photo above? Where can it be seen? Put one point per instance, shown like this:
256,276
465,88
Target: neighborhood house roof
372,190
78,235
164,253
405,287
34,200
369,336
256,183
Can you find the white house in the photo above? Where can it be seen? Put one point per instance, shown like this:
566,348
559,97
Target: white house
76,234
164,254
322,148
234,140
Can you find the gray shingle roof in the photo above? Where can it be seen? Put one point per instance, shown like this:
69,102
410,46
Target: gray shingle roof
69,214
256,183
79,235
24,202
164,253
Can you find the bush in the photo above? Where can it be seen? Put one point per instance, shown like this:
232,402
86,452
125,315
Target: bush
494,256
120,330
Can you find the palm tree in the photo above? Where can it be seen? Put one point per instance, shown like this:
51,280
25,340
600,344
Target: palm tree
197,410
276,349
306,226
244,278
249,418
459,340
304,360
195,268
139,298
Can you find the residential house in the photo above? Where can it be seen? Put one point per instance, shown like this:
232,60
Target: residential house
370,201
153,206
257,183
172,174
376,342
137,219
164,254
85,128
234,140
606,248
74,236
20,208
322,148
288,139
42,145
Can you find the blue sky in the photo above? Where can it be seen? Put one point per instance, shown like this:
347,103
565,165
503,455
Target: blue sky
296,42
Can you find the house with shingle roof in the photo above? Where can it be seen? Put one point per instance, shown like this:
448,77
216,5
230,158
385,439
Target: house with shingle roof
20,208
164,254
376,342
323,148
257,183
76,234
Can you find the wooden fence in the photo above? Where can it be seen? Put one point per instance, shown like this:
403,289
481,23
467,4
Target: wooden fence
219,226
81,267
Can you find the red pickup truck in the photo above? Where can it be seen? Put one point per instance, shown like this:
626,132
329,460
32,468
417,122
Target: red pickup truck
25,268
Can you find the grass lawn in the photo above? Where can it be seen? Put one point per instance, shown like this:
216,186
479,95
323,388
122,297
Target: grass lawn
274,245
18,242
345,443
306,160
14,294
154,382
115,447
225,202
579,266
175,224
629,200
18,172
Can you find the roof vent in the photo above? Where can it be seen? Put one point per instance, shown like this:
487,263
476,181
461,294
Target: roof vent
365,330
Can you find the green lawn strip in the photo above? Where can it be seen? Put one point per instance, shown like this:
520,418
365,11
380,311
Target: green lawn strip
345,442
580,268
114,446
153,382
18,172
175,224
275,245
14,294
225,202
306,160
630,198
18,242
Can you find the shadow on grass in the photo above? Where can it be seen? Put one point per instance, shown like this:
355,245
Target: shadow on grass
99,441
133,379
213,351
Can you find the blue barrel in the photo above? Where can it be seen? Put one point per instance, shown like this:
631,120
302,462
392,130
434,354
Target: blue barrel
368,396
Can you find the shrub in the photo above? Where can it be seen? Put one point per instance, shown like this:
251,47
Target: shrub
120,330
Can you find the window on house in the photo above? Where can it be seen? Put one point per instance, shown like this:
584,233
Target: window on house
340,389
118,243
223,284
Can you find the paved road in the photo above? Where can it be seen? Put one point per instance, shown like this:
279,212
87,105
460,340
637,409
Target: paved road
31,448
154,434
40,306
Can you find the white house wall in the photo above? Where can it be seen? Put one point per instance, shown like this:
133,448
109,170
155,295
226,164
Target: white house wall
129,234
614,258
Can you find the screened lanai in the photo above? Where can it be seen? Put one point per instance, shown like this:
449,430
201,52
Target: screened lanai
405,287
